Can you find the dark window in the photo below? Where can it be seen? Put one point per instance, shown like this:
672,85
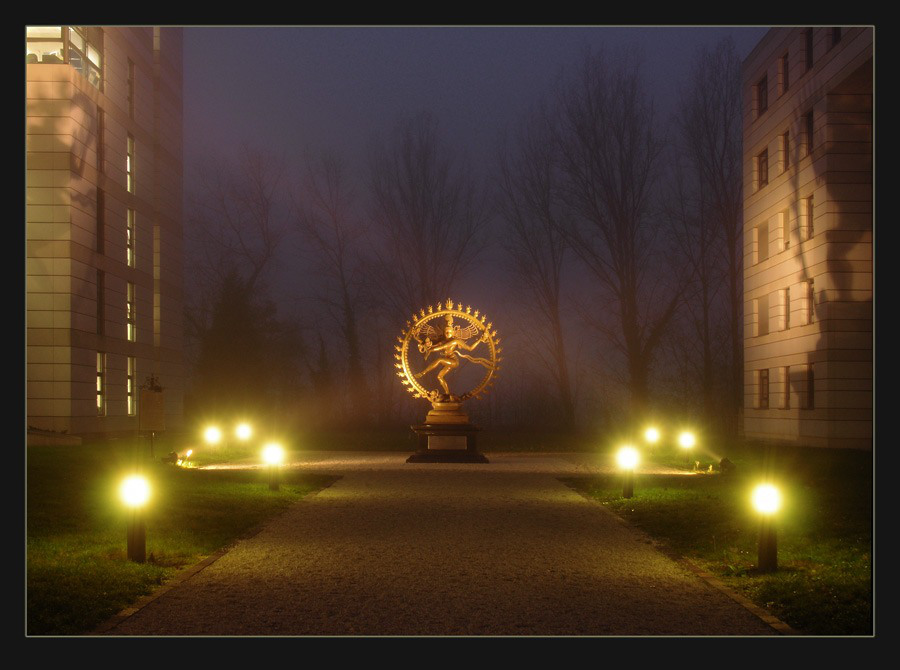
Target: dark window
101,221
785,73
811,296
809,128
786,144
101,138
762,167
762,242
130,91
810,387
101,302
787,308
787,387
764,389
808,47
835,35
762,96
809,217
762,316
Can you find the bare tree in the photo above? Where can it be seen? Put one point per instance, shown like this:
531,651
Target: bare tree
609,152
333,235
710,125
528,198
429,213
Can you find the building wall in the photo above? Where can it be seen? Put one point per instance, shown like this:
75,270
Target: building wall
76,139
808,276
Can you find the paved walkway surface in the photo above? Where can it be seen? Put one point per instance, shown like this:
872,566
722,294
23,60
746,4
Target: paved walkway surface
445,549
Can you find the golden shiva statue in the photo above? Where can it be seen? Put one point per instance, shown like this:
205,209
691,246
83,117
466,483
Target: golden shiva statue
436,335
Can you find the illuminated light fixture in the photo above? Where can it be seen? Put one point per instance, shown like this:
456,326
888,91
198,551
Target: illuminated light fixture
687,440
651,435
767,501
273,455
135,492
627,458
243,431
212,435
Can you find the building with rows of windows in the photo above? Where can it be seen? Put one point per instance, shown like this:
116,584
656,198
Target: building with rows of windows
103,226
808,226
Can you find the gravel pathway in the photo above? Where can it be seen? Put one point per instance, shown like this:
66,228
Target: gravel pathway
438,549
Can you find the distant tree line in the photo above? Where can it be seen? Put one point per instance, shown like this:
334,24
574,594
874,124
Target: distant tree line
618,235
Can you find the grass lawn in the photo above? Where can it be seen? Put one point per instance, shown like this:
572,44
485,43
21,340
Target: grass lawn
823,585
77,571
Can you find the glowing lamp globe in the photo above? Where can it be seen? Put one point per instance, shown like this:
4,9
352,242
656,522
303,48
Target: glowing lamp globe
627,458
766,499
212,435
134,491
687,440
651,435
273,454
243,431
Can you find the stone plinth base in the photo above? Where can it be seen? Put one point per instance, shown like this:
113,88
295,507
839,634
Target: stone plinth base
446,437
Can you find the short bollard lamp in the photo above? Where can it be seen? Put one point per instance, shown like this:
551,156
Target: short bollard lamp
627,458
686,441
273,455
135,491
767,501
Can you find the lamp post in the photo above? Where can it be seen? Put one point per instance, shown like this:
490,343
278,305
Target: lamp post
767,501
627,458
686,441
212,435
651,435
135,492
273,454
243,431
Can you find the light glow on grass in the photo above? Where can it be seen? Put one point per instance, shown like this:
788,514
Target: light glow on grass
135,491
766,499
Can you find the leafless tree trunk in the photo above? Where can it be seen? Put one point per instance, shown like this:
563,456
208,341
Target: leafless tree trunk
528,202
429,213
610,151
330,232
710,123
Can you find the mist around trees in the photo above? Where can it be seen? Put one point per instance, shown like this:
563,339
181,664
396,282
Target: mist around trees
604,241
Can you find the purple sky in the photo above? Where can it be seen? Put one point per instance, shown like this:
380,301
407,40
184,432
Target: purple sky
287,88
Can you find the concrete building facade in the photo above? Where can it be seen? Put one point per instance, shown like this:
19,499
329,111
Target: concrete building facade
104,259
808,237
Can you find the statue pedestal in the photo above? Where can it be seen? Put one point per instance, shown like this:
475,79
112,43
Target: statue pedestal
446,437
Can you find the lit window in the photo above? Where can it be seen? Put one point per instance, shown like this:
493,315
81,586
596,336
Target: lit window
132,406
101,384
762,169
762,96
129,313
129,238
763,389
85,47
44,44
129,165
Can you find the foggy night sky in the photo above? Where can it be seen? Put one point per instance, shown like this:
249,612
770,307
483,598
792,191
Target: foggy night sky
283,89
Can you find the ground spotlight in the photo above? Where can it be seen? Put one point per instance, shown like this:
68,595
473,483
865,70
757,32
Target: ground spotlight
135,491
273,455
627,458
767,501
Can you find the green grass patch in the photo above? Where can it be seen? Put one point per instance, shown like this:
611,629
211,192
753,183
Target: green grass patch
77,570
824,582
